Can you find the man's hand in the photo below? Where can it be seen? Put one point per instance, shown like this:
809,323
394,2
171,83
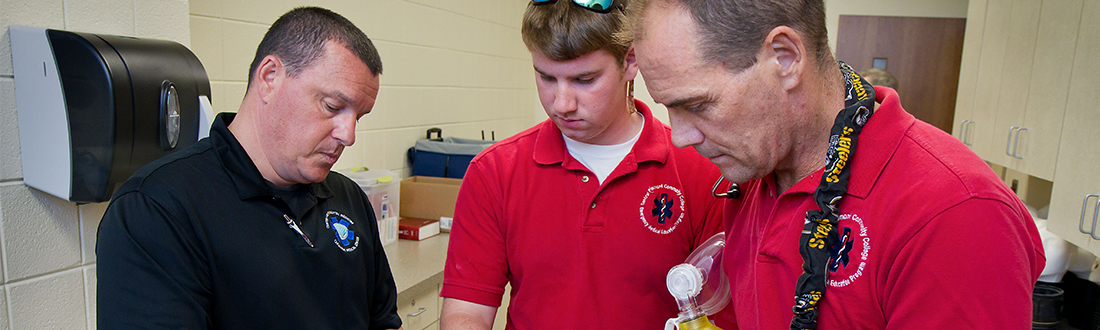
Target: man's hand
465,315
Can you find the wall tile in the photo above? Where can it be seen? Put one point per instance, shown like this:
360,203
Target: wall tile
162,19
211,8
239,43
100,16
424,66
10,167
256,11
90,295
233,95
206,43
41,232
90,214
40,13
501,12
3,309
54,301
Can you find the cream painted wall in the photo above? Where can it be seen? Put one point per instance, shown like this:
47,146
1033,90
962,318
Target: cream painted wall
48,277
455,64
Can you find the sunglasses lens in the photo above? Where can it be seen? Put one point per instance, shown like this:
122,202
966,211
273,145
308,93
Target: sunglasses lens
541,1
597,5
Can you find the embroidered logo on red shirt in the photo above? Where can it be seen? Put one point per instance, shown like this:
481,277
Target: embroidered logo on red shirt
662,208
849,253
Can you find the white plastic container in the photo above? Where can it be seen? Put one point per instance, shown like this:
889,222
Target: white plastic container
383,189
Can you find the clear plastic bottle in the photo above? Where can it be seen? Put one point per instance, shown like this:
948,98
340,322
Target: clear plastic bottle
699,286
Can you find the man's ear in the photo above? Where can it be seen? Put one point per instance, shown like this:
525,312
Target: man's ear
269,76
784,49
630,64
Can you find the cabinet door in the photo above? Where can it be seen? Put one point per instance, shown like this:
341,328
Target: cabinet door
1076,172
968,70
990,66
1046,99
1015,78
420,312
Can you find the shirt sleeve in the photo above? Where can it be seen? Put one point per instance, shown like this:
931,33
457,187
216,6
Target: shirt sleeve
384,303
151,270
477,265
973,266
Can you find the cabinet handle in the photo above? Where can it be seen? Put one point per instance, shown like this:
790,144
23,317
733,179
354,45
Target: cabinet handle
1016,143
422,309
1008,144
1095,213
968,126
962,130
1084,206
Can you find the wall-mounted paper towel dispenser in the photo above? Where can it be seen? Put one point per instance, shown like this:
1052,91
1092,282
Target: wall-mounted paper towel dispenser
93,108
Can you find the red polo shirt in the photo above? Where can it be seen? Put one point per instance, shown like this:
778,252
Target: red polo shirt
579,254
931,239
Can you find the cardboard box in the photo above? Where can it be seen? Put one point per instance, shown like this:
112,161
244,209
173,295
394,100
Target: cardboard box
426,197
417,229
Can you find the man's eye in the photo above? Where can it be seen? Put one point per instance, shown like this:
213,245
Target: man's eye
585,81
331,107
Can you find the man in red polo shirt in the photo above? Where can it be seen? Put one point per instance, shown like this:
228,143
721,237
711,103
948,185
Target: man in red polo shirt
900,226
585,213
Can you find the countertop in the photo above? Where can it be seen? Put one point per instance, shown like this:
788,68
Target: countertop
417,266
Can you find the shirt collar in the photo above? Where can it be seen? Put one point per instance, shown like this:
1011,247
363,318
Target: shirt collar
246,177
652,145
878,141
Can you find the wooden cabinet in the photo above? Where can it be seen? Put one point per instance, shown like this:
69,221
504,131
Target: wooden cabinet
990,72
1029,100
1077,173
421,311
1011,99
1038,140
1014,79
968,71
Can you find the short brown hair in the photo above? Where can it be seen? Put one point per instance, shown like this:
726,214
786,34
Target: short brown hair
564,31
732,31
298,38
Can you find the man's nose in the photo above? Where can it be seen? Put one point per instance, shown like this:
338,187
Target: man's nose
345,129
684,133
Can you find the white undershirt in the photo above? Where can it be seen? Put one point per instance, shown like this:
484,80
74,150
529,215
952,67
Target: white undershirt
601,159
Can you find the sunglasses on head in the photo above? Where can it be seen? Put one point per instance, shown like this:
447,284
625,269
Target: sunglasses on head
599,6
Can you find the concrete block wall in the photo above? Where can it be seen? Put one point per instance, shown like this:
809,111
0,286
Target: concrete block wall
47,245
459,65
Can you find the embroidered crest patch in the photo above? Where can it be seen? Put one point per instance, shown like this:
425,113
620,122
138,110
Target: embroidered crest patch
848,255
662,208
341,225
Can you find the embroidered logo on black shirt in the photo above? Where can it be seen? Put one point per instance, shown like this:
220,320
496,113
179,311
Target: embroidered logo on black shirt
341,226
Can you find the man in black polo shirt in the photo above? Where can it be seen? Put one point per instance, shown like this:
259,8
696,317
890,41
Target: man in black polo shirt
247,229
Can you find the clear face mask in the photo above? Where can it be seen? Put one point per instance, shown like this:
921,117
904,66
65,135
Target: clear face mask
699,286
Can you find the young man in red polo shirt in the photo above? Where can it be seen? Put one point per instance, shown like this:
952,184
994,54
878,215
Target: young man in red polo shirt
585,213
899,226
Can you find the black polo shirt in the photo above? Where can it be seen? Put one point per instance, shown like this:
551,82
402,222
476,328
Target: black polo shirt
198,239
